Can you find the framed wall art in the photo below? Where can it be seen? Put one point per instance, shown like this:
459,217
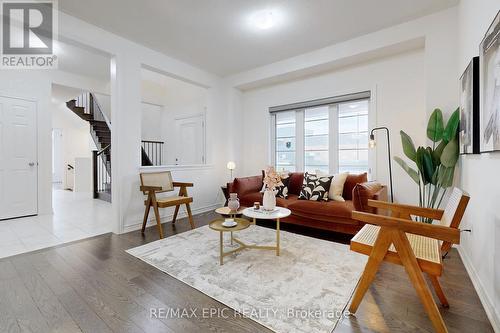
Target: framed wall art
469,109
489,52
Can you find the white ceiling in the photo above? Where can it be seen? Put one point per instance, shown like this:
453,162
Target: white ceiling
215,35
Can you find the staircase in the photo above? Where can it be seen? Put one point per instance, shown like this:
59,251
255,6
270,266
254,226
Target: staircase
87,108
145,160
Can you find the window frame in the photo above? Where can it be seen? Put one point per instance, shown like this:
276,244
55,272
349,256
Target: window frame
333,135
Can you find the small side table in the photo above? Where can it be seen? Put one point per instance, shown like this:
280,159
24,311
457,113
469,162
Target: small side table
217,226
226,212
277,214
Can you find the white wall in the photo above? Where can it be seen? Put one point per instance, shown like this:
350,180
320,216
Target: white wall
172,112
83,175
163,103
398,89
76,139
479,176
152,122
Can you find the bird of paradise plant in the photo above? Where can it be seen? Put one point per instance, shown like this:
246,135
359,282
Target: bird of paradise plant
435,166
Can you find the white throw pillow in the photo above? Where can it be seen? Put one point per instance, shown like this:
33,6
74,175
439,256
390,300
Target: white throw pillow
336,186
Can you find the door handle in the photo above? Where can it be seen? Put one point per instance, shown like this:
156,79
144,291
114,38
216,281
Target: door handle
31,164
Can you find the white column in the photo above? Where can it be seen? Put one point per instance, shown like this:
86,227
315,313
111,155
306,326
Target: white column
125,137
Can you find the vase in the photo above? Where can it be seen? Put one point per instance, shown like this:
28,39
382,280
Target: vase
269,200
233,202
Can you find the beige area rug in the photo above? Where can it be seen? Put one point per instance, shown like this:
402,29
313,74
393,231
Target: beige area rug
305,289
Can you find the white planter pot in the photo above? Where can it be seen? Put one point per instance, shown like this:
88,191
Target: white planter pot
269,200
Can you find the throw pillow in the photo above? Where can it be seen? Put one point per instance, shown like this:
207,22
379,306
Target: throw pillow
315,188
337,186
282,191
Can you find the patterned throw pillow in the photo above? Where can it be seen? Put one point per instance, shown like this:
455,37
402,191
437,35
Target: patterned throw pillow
315,187
283,190
337,186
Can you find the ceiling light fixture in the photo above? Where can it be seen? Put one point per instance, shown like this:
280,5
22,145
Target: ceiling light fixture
264,20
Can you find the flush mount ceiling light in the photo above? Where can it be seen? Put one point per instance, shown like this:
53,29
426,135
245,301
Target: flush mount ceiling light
264,19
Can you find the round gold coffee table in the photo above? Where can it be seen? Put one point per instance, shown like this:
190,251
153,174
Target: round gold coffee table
217,226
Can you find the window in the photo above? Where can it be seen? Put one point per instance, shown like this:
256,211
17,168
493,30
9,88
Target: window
285,141
316,129
331,137
353,137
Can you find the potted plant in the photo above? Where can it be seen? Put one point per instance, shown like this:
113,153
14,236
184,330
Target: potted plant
435,166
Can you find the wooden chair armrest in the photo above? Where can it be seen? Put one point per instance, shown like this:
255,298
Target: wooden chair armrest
150,188
440,232
435,214
182,184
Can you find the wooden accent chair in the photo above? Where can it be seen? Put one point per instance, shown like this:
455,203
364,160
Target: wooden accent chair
416,246
159,182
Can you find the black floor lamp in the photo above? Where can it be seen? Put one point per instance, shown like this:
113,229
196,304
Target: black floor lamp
372,145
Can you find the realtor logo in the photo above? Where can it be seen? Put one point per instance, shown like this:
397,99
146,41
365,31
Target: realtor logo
28,34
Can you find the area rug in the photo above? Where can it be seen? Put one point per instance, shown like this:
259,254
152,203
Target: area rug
305,289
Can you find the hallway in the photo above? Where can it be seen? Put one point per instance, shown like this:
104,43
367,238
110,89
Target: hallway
76,216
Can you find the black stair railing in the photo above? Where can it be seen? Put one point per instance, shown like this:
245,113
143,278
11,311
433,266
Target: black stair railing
102,173
88,108
152,152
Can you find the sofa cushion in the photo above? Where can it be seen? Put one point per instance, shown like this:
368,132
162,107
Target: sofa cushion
350,182
363,192
248,199
287,202
295,183
315,187
282,190
309,208
246,185
336,186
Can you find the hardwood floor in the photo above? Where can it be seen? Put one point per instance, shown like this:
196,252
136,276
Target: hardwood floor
94,286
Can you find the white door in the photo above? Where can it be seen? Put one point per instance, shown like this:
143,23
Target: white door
190,140
18,159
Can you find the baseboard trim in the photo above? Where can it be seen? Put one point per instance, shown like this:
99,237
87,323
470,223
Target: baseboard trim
487,303
168,218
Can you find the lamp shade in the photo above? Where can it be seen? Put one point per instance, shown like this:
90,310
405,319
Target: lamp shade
372,143
231,165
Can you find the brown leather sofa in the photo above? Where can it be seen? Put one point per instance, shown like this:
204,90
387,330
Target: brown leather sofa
327,215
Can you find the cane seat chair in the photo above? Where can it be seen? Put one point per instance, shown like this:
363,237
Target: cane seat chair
153,183
417,246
